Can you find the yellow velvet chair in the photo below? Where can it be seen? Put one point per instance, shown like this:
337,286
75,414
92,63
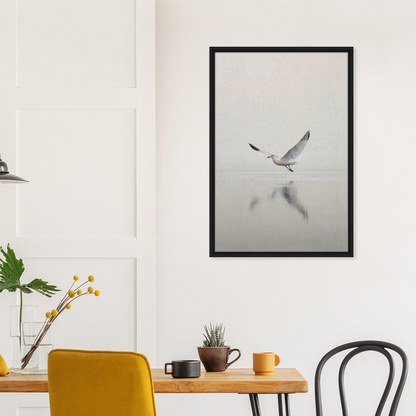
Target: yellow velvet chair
100,383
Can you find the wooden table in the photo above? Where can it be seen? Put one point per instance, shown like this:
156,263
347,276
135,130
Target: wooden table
283,382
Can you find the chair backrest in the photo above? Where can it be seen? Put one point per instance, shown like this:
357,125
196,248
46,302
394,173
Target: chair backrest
358,347
104,383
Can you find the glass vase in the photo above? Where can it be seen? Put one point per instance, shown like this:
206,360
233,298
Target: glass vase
17,316
36,346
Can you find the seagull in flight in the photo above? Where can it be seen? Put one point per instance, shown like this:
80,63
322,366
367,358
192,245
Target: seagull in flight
290,157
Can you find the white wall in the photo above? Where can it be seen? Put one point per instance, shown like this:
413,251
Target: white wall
299,308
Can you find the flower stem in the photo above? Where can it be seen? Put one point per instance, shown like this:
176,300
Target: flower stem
20,319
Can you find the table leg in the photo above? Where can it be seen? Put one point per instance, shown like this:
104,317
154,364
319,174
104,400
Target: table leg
287,404
280,404
255,404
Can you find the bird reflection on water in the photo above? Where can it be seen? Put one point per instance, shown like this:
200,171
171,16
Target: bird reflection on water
289,193
254,201
262,212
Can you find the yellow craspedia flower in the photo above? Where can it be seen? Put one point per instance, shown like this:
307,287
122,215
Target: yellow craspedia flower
90,289
69,306
79,291
71,293
76,278
97,293
54,312
91,278
48,314
4,370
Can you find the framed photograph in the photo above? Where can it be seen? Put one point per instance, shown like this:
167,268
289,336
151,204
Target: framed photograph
281,151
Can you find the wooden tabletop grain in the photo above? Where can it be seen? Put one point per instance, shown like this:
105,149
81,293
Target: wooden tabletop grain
236,380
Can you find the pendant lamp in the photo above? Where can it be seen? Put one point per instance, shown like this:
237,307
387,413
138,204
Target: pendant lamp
6,177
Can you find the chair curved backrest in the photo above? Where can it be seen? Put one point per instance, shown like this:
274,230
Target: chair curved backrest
358,347
104,383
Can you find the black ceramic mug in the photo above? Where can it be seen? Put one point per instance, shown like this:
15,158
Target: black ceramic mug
184,369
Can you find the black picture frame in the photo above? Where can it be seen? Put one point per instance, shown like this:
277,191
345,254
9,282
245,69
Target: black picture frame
232,236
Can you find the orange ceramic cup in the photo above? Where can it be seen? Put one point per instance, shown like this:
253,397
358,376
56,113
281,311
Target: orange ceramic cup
265,362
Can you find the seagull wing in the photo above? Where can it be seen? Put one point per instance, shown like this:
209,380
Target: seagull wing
259,150
296,150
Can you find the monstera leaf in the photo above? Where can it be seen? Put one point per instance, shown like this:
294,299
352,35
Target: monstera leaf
11,270
41,287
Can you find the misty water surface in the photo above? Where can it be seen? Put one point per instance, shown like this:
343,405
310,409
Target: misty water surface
285,212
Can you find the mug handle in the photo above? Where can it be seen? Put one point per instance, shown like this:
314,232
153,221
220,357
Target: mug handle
166,368
239,355
276,360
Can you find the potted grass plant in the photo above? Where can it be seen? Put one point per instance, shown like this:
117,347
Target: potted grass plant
213,353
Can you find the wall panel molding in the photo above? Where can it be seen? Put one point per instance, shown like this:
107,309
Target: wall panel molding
81,248
146,177
76,98
90,204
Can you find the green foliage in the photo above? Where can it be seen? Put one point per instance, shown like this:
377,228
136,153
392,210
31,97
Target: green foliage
214,335
41,287
11,270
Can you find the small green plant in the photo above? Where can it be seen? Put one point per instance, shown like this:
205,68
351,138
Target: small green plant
214,335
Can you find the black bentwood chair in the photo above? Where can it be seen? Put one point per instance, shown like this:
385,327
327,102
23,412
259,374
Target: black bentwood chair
358,347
